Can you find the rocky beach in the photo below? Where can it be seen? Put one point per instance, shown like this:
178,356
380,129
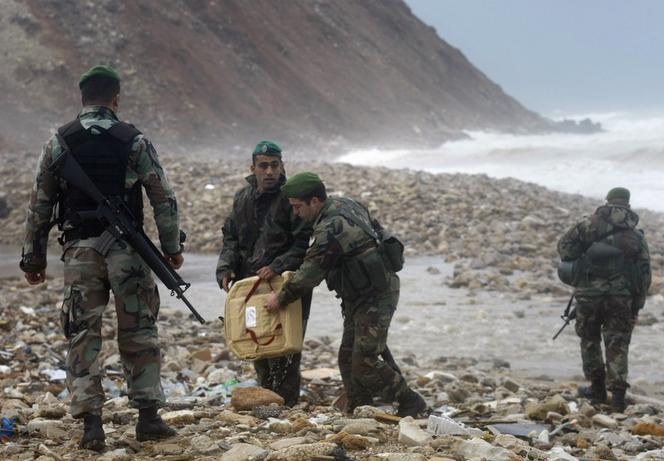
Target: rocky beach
485,259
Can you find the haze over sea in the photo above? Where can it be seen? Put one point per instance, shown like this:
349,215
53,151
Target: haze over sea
629,153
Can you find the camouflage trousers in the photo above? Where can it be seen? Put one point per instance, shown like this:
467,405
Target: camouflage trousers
282,374
365,375
612,318
88,279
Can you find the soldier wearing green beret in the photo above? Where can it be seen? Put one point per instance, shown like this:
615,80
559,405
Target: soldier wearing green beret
613,267
344,251
121,162
262,236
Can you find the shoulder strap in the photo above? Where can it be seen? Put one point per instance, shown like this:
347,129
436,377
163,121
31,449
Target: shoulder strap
70,128
606,234
357,220
123,132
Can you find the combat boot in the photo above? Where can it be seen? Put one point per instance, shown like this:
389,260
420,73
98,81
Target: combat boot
596,392
618,401
411,404
150,426
93,433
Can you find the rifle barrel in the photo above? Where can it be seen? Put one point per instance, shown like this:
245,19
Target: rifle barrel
180,295
561,329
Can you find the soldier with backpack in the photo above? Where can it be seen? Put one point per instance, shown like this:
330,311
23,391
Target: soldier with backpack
358,259
606,258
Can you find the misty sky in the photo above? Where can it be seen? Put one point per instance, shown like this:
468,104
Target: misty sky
566,56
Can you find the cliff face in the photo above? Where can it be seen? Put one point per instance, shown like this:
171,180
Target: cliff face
230,72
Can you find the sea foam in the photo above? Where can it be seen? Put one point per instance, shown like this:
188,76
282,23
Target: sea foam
629,153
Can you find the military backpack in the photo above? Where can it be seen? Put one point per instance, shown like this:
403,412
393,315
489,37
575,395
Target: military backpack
612,254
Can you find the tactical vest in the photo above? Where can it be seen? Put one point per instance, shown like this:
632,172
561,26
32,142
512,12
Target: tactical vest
365,269
103,157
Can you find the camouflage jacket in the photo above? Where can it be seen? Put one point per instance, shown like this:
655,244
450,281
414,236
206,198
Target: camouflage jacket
143,166
337,244
616,226
261,230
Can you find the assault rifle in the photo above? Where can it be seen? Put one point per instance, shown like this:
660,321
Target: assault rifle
567,316
120,225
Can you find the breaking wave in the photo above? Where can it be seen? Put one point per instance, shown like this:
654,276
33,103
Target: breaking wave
629,153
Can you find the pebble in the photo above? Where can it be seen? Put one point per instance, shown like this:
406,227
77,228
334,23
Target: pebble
178,417
244,452
410,433
604,421
246,398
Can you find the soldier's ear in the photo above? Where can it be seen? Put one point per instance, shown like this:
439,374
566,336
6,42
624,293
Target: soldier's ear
115,104
252,168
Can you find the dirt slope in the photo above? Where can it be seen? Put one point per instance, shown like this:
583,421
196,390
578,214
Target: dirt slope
228,72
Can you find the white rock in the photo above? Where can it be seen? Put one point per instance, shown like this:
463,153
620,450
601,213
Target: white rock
652,455
411,434
558,454
605,421
41,425
543,436
179,417
44,450
321,373
119,454
117,402
478,448
441,376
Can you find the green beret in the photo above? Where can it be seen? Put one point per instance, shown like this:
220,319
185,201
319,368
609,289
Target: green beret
99,71
267,148
618,195
301,184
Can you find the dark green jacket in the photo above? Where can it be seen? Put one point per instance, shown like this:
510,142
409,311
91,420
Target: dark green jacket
344,255
614,225
261,231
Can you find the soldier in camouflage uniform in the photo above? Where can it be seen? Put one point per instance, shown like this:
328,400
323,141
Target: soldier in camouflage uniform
263,237
344,251
120,161
614,277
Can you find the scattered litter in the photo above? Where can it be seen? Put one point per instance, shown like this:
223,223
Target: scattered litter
442,425
521,430
55,375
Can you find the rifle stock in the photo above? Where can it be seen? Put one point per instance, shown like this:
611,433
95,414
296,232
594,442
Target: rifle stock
123,225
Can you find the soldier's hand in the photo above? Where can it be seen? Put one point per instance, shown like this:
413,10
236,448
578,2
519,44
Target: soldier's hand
272,302
35,278
175,260
227,280
265,273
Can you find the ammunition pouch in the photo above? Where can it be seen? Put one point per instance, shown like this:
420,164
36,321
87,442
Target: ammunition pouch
392,250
